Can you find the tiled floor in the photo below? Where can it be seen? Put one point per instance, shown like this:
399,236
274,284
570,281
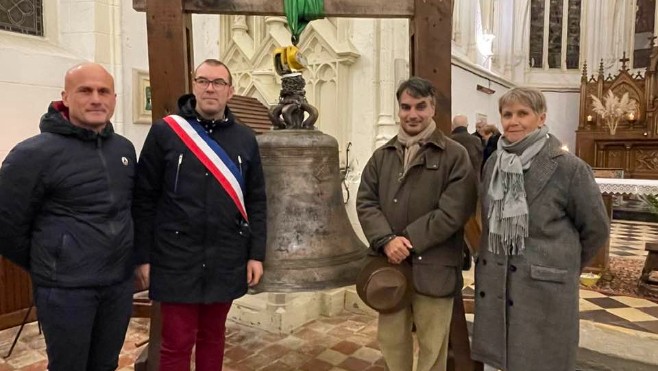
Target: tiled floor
632,313
627,238
343,342
347,341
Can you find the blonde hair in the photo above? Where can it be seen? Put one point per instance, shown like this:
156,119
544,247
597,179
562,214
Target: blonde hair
530,97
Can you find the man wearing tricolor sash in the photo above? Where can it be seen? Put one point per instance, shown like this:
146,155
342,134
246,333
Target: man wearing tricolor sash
200,211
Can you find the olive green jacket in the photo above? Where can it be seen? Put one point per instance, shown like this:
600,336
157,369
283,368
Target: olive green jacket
429,205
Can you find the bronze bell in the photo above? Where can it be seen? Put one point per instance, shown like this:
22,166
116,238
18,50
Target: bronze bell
311,244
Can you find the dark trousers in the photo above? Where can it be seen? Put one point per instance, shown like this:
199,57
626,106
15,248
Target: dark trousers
183,326
84,328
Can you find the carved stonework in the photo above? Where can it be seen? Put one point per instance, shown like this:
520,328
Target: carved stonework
248,43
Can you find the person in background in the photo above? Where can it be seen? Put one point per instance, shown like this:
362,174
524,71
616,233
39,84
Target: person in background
490,136
65,198
200,213
479,124
416,193
543,221
472,144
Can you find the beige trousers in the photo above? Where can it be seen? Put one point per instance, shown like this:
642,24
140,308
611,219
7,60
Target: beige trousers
432,318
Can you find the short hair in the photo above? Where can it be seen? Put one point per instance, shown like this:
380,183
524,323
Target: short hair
216,63
530,97
459,121
417,87
490,129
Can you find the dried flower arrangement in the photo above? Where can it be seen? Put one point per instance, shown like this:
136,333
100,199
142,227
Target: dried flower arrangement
613,109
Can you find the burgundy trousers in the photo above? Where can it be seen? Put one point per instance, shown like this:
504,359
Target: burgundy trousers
187,325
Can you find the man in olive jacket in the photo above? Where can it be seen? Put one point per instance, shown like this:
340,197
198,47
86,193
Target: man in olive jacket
416,193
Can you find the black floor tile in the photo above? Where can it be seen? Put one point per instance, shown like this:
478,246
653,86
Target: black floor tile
606,303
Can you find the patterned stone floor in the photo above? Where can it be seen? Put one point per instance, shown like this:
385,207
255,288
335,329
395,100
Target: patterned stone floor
343,342
627,238
347,341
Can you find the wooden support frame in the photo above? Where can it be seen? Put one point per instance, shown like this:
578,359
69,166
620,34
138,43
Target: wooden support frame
332,8
170,40
170,61
169,31
430,41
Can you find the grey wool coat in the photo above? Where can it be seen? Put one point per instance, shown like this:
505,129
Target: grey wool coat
526,306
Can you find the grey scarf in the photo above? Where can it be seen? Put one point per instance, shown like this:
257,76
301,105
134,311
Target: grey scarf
412,144
508,208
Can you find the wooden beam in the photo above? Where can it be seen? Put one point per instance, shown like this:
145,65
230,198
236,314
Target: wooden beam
459,343
430,44
169,32
155,338
332,8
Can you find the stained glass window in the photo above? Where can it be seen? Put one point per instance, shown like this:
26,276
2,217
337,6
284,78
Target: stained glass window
22,16
573,34
554,34
536,33
644,24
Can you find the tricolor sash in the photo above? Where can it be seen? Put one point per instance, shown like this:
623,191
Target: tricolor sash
212,156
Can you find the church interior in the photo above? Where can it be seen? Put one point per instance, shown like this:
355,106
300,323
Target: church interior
574,51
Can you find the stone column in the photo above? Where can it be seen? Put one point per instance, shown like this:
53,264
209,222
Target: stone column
386,127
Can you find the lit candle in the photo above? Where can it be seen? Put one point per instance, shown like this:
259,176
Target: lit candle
631,116
589,118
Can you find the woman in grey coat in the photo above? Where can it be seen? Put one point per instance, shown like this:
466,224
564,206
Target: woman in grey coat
543,220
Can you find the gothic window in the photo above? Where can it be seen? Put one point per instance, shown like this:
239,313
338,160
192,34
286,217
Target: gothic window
554,34
644,25
22,16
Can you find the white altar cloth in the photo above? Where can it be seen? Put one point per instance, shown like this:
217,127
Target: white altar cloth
614,186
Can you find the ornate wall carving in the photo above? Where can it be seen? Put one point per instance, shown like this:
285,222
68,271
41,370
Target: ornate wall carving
646,160
247,43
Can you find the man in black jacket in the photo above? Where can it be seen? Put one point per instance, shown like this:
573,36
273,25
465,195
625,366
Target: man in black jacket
472,143
199,213
65,217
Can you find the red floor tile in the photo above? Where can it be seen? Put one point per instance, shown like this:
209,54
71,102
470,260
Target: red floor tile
354,364
316,365
346,347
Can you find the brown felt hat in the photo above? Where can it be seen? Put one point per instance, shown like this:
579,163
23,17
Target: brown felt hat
383,286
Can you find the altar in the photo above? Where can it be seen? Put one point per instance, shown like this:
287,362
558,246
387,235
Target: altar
618,187
633,145
638,187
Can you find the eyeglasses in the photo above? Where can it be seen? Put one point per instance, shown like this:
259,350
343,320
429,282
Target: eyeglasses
217,84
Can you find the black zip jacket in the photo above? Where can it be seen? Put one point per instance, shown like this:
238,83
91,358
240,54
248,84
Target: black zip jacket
65,198
186,225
